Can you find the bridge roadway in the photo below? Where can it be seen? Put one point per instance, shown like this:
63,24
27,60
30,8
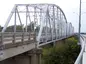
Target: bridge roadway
13,44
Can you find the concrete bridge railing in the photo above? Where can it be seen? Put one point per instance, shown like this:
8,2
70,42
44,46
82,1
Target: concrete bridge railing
79,59
11,39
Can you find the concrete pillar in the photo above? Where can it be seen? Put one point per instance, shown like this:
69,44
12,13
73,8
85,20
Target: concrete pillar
40,59
54,43
34,59
35,56
31,57
23,59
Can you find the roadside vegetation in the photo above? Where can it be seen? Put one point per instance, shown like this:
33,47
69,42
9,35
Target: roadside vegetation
63,53
19,28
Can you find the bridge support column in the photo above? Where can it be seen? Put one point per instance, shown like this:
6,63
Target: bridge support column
31,57
54,43
35,56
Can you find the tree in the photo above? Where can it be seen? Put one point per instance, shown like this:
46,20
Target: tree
63,53
11,28
30,27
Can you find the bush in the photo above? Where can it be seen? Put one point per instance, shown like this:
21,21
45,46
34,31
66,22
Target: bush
64,53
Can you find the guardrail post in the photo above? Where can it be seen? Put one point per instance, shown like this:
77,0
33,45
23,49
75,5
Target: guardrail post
28,36
1,45
36,43
14,36
2,36
22,37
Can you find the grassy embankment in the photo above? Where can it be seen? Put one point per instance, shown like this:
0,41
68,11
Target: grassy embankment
63,53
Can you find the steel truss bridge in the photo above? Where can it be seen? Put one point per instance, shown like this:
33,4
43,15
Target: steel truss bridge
40,24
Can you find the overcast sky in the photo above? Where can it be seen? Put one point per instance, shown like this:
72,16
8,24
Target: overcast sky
70,8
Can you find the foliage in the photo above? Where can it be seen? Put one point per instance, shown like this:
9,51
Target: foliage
64,53
19,28
11,28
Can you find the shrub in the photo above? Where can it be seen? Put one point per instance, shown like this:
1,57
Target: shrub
64,53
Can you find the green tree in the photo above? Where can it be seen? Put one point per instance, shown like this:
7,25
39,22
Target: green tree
63,53
11,28
30,27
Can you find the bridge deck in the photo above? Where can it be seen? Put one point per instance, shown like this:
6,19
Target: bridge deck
7,53
12,44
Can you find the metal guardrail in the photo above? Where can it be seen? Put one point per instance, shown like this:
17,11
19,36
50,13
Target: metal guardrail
79,58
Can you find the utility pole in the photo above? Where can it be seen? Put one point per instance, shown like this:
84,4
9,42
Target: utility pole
79,21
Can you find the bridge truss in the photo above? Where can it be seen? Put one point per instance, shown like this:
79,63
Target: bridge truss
47,21
39,23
